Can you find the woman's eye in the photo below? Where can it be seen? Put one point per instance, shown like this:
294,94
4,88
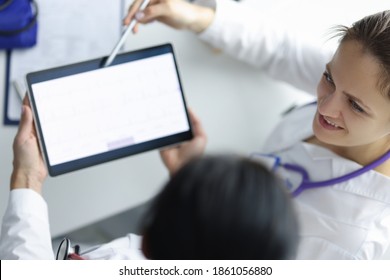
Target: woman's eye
328,78
356,106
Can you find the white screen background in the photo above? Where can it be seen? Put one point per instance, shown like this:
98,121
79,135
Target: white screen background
94,112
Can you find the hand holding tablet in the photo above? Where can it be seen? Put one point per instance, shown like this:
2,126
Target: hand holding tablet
86,115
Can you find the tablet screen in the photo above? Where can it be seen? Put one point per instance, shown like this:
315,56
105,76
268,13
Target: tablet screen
88,116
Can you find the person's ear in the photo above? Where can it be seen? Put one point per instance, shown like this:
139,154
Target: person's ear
145,246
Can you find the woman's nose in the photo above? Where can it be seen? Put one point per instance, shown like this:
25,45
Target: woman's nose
330,105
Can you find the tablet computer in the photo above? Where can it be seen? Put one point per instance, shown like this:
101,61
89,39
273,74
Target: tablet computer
86,114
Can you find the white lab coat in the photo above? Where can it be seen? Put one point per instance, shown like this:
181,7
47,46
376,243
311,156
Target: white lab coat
350,220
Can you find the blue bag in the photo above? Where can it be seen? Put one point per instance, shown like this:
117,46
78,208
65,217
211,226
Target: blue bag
18,23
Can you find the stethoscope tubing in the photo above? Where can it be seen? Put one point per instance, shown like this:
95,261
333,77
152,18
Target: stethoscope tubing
307,184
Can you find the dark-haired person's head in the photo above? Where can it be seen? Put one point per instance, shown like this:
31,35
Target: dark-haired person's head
221,207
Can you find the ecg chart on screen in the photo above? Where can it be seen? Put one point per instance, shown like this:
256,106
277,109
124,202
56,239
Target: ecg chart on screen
110,108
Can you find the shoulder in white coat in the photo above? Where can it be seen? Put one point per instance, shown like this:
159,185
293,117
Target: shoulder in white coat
266,43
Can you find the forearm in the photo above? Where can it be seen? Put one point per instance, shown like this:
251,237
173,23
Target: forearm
22,180
204,17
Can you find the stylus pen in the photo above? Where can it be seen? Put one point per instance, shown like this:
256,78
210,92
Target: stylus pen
124,36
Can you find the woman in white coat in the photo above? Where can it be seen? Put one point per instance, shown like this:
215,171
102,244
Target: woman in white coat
322,149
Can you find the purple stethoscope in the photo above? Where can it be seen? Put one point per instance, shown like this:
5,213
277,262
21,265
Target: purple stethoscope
307,184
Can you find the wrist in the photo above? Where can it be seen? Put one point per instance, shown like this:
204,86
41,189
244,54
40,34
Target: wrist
20,180
202,20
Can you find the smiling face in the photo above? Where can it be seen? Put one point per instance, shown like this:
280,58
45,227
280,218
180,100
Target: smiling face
351,109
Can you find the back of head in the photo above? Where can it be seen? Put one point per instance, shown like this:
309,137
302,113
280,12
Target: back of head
221,207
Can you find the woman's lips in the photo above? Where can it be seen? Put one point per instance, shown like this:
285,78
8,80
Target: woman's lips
327,124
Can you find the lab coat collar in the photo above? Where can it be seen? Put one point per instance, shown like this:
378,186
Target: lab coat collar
319,153
295,127
371,184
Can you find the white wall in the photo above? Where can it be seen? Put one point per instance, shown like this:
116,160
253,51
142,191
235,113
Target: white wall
237,104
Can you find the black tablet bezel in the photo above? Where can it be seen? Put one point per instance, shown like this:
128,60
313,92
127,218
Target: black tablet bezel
91,65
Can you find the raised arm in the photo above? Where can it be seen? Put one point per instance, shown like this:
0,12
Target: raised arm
247,35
